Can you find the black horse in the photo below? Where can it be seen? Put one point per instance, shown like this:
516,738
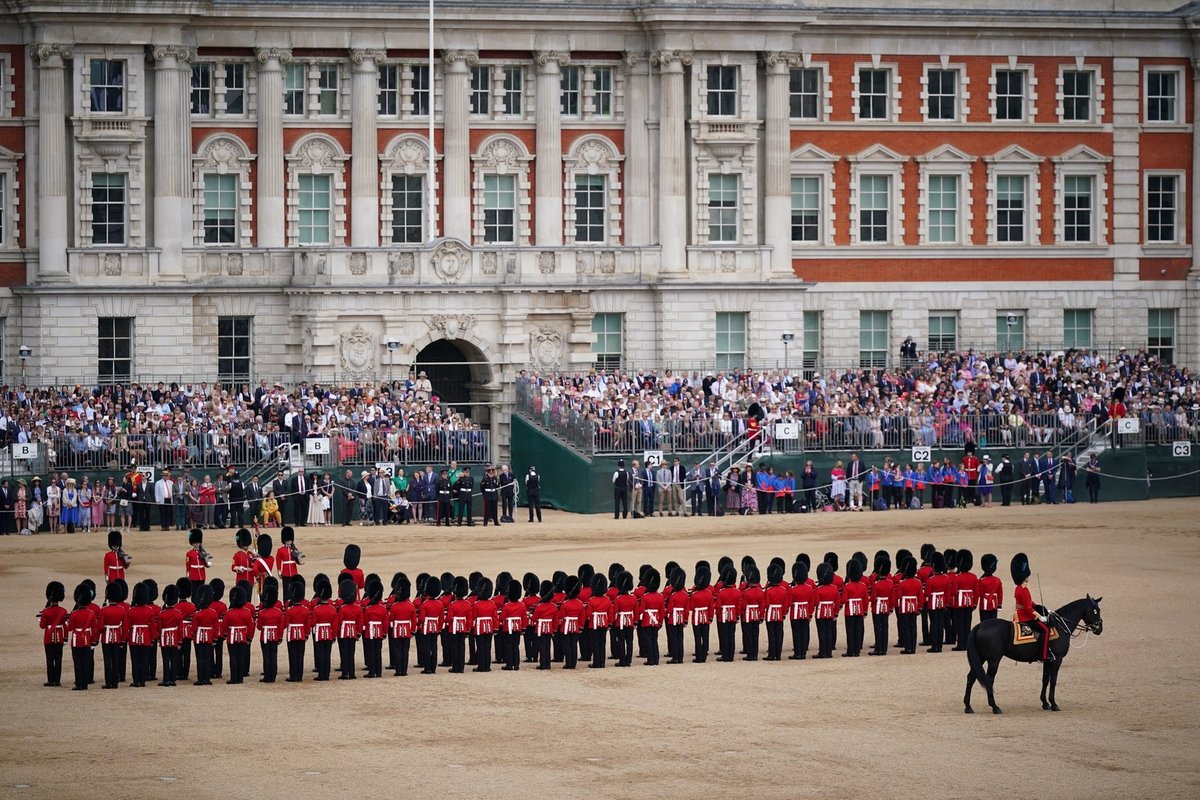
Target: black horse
992,640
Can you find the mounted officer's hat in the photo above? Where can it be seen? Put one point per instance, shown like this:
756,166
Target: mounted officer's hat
1020,569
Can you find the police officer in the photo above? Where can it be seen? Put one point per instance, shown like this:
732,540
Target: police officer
620,480
533,493
491,496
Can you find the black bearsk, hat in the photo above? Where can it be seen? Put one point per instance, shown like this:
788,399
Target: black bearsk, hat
513,592
242,538
265,545
141,594
752,575
678,580
910,568
547,591
531,584
114,538
625,582
237,597
938,562
403,589
988,563
352,556
884,567
485,589
951,558
295,594
1019,568
83,595
203,597
799,572
854,570
966,560
831,559
151,589
170,595
572,587
55,592
703,578
325,589
652,580
184,587
218,588
599,585
347,591
729,576
287,534
824,574
195,536
270,596
445,582
461,587
902,556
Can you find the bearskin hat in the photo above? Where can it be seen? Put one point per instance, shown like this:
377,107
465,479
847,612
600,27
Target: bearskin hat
218,588
55,592
242,538
966,560
513,593
195,536
347,591
270,596
265,545
461,587
287,534
652,580
1019,569
352,556
237,597
988,563
824,574
170,595
854,570
799,572
114,539
624,582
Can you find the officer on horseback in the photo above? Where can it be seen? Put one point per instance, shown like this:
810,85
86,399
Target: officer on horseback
1027,612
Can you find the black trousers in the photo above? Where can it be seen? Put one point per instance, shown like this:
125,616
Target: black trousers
963,618
491,512
949,626
1006,494
774,640
483,652
937,629
153,662
323,658
239,662
456,647
675,643
166,515
700,636
854,635
170,665
346,652
649,637
620,503
750,631
183,663
218,656
826,629
431,651
801,632
295,650
204,664
512,650
543,642
464,510
726,640
986,615
624,655
270,661
880,623
599,650
908,632
570,650
530,645
122,662
558,644
444,638
444,510
84,661
507,502
237,514
924,627
112,668
535,505
139,657
373,656
585,645
300,508
54,656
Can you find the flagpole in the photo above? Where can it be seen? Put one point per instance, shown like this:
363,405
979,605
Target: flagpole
431,215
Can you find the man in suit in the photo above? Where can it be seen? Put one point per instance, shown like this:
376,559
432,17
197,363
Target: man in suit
647,480
1048,469
1029,480
254,495
237,500
164,490
380,489
301,486
345,488
7,507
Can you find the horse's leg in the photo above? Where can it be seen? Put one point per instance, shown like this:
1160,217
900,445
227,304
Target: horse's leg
1045,685
967,696
993,668
1054,682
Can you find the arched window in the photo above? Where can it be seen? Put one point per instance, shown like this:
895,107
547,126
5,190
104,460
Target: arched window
403,195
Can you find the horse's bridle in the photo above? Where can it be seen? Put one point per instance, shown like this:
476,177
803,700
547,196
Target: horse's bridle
1081,626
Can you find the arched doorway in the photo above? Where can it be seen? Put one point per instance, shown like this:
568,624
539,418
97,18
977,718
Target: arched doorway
448,369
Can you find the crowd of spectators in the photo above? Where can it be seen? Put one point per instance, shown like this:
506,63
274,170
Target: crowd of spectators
1013,399
207,425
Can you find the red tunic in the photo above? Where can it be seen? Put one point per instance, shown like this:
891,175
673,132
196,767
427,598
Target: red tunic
651,610
297,620
702,605
964,589
286,562
270,624
460,616
170,627
625,611
53,621
937,590
775,602
827,601
753,603
83,628
375,621
678,604
207,626
114,624
800,600
487,617
990,590
882,596
262,568
729,604
513,617
243,566
239,625
350,621
324,618
114,567
570,615
545,616
431,616
1023,600
356,575
193,564
187,623
143,625
910,596
854,597
599,612
402,619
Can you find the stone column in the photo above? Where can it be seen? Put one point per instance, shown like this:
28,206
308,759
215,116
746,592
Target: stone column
637,150
52,165
364,158
672,160
548,203
777,185
172,156
456,186
272,199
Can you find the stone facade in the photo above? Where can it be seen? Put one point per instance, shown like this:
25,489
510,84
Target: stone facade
796,166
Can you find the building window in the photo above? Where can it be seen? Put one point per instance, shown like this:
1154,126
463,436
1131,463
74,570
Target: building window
810,353
107,85
722,209
1162,89
1010,95
1010,208
108,208
943,333
481,87
514,90
293,89
202,88
590,208
235,89
941,94
389,90
1077,328
806,209
874,204
602,91
804,93
568,83
1162,207
943,209
420,90
873,330
499,208
731,340
1077,95
408,209
874,86
114,349
316,209
1160,334
220,209
722,91
607,342
1010,332
233,350
327,89
1077,208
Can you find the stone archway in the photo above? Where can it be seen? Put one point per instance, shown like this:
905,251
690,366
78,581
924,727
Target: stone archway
463,377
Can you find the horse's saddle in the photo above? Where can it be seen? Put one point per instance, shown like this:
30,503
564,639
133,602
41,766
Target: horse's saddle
1026,632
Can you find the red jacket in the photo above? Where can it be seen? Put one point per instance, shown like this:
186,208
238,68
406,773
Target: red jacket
702,605
297,620
854,597
375,621
951,595
729,604
350,621
599,612
487,617
937,591
775,602
262,568
570,615
193,564
909,596
114,624
324,622
827,601
239,625
286,562
402,619
114,567
625,611
651,610
356,575
1023,600
545,617
990,590
243,566
460,616
964,589
170,627
270,624
83,628
53,620
187,621
800,600
431,616
882,595
678,604
207,626
753,603
513,617
143,625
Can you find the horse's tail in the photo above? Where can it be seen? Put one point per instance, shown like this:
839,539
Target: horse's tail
976,662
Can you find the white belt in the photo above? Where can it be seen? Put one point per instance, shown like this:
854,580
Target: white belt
512,624
800,611
652,617
458,624
624,619
545,627
135,637
726,615
599,619
881,606
570,625
374,630
678,616
108,637
774,613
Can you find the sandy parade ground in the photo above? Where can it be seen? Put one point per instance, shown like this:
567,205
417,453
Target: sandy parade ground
843,727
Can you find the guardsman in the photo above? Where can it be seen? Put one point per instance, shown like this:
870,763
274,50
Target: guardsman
53,622
115,560
678,603
486,620
882,597
349,627
187,628
207,630
801,596
324,623
855,599
513,620
459,619
827,601
83,633
651,612
431,620
729,610
143,632
923,574
114,626
775,604
937,592
271,628
375,628
543,621
350,561
598,618
753,602
965,583
218,605
243,558
624,618
287,562
170,634
264,562
445,492
990,589
911,597
571,621
490,486
196,561
532,596
951,596
402,623
1026,610
239,631
702,606
297,621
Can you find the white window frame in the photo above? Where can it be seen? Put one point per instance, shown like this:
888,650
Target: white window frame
317,154
507,71
1095,100
735,210
962,93
810,357
812,161
1091,327
881,161
1022,324
409,90
388,86
501,154
1016,160
1082,161
946,160
818,96
593,91
201,67
407,154
317,72
223,154
1179,104
1029,96
886,350
594,154
114,379
953,316
126,76
1174,345
289,71
125,206
570,88
9,199
720,94
891,94
818,195
728,352
1181,198
221,89
603,357
233,208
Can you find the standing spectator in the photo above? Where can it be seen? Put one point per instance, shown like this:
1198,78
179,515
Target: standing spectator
1004,476
300,489
208,501
638,489
1048,470
837,477
8,502
508,493
380,489
164,489
1093,478
677,478
663,480
254,496
854,481
1066,478
808,484
1029,480
696,485
237,500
